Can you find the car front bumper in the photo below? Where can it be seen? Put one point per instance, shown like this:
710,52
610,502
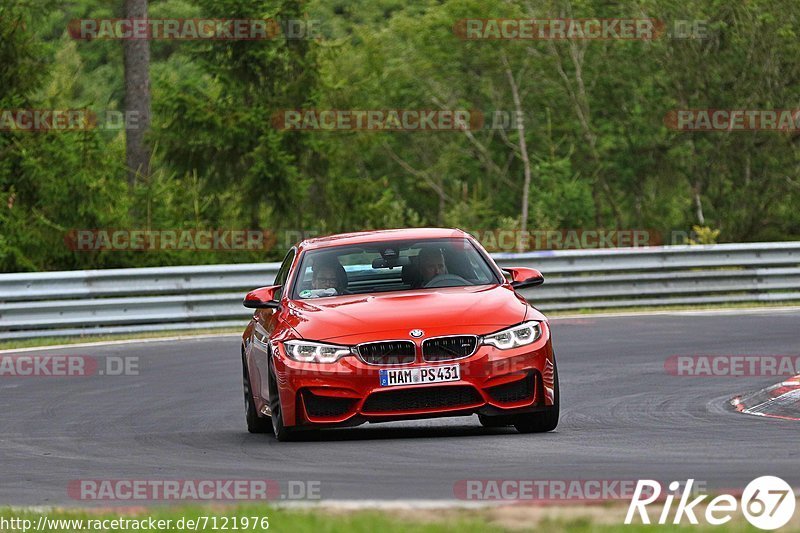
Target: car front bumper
493,382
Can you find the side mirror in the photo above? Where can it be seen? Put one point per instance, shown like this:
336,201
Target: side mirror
524,277
263,298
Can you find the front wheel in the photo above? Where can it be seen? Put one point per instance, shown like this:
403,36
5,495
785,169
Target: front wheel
542,421
281,432
255,423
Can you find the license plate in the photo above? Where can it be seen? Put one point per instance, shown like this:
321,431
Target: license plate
391,377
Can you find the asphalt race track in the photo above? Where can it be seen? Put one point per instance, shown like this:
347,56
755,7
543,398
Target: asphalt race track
623,417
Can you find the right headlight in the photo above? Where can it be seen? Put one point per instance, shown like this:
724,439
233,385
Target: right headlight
520,335
315,352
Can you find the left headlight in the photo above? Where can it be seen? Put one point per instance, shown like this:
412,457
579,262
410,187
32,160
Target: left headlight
315,352
520,335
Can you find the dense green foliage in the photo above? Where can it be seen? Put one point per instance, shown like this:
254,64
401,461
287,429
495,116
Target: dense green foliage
600,153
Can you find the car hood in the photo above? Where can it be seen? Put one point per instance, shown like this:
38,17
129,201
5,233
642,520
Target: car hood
363,317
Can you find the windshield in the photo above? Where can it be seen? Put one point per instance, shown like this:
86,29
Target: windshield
391,266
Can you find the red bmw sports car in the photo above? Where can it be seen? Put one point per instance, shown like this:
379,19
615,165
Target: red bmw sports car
393,325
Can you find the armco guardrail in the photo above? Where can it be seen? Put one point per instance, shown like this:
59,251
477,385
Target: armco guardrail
176,298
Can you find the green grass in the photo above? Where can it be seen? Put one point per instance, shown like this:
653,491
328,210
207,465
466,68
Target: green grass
294,520
51,341
587,519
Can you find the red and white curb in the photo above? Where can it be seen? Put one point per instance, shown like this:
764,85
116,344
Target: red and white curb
781,400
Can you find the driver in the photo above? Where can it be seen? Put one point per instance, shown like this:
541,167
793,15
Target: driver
431,264
325,275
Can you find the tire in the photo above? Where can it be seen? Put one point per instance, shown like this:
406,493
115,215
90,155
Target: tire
543,421
255,423
494,421
281,432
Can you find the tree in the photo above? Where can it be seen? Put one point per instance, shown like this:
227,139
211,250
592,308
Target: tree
137,96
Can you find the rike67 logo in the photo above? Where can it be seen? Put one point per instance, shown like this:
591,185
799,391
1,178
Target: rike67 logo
767,502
